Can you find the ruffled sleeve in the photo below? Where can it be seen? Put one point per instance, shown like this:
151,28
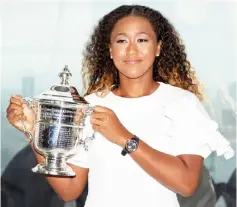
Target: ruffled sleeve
192,131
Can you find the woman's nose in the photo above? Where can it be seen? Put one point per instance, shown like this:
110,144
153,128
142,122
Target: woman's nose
131,49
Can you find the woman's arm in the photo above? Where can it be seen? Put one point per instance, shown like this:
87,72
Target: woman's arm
180,174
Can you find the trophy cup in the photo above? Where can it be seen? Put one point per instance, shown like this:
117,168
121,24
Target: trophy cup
59,130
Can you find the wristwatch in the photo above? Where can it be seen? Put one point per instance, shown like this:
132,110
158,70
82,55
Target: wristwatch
131,145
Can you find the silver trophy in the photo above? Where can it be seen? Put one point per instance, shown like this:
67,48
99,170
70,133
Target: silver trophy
59,126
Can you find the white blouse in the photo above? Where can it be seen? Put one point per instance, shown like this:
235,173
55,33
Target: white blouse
171,120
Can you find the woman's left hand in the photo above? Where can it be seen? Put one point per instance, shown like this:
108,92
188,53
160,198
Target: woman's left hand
105,121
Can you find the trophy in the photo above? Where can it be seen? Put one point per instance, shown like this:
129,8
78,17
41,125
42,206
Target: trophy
59,126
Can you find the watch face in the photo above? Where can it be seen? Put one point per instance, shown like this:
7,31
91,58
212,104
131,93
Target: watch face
131,146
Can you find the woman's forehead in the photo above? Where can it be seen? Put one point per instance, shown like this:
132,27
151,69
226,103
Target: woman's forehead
132,24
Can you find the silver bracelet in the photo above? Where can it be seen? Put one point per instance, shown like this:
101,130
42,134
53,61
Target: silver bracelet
29,136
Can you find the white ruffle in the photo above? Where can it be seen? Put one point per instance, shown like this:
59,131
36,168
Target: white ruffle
191,124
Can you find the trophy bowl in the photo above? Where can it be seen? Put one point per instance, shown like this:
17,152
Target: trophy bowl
59,127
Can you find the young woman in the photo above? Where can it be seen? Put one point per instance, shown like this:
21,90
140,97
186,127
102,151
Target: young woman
152,133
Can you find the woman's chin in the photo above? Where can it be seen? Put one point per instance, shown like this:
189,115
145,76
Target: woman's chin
133,75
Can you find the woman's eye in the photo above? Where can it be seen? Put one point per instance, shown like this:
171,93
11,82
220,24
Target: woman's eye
121,41
142,40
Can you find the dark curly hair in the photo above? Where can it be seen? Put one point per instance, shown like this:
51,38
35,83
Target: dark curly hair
170,67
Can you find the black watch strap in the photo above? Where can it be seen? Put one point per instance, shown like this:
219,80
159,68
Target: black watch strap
125,150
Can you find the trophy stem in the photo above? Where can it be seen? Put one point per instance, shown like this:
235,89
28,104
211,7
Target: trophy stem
54,164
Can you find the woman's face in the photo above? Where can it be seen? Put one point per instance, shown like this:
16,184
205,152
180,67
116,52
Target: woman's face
133,47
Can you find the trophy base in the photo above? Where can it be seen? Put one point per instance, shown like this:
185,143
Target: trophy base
54,166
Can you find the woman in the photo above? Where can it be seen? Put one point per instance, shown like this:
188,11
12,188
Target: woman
152,133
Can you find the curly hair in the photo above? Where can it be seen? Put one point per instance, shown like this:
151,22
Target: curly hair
172,66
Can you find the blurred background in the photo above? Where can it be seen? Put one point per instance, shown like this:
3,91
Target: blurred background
40,37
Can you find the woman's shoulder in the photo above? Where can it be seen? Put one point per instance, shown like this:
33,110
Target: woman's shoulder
176,95
183,102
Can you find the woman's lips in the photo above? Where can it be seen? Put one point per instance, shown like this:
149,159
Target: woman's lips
132,61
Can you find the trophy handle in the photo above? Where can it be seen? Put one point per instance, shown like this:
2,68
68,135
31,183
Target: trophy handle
30,103
87,111
89,138
25,131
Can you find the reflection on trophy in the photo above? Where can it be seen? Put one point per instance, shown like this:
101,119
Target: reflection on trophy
59,126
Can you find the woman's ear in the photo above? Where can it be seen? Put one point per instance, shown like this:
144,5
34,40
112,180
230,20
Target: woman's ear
110,52
158,49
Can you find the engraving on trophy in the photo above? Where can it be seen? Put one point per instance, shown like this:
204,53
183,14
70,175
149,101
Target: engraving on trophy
57,114
53,136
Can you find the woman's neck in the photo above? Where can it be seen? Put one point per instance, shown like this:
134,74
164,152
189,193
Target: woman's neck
135,89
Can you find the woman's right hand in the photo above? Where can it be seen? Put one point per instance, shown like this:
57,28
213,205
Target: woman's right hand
18,111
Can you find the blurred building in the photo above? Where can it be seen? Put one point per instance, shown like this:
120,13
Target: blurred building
28,86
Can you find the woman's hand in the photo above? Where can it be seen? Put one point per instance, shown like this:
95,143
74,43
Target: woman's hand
18,111
105,121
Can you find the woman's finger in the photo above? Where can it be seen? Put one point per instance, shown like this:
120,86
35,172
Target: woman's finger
14,106
100,109
14,119
14,112
15,99
95,121
98,115
96,128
